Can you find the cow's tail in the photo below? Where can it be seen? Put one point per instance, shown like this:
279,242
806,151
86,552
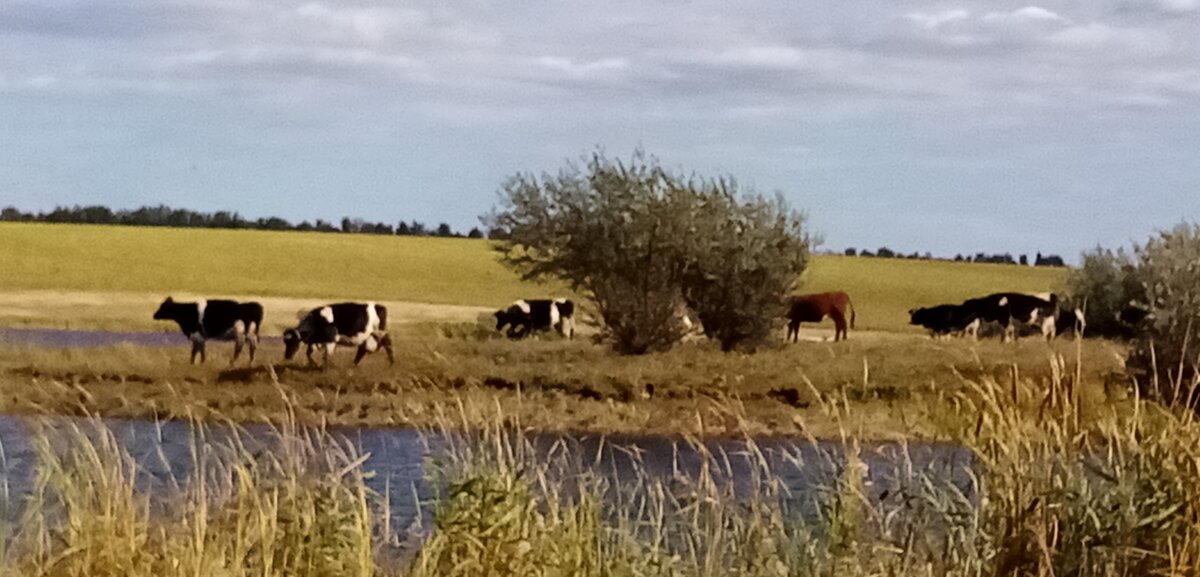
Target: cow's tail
852,313
381,311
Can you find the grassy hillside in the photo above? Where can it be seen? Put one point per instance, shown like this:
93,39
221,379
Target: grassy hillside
159,261
286,264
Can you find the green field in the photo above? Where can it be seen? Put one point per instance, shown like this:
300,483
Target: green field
160,261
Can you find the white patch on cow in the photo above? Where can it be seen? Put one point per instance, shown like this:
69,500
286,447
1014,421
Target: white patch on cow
196,337
200,306
371,344
327,314
237,330
372,318
555,316
972,329
1003,301
521,304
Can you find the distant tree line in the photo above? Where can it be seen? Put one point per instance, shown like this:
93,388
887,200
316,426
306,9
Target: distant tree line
163,215
1006,258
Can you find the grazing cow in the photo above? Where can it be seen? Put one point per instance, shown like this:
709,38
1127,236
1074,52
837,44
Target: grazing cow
217,320
946,320
525,316
812,308
1012,309
363,325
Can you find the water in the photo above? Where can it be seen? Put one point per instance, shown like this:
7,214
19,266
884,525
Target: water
399,459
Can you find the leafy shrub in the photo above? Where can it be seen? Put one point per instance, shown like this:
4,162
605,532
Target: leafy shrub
744,253
640,241
1107,288
1165,353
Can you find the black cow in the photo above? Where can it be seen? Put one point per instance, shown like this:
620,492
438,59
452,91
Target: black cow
946,320
355,324
217,320
525,316
1012,309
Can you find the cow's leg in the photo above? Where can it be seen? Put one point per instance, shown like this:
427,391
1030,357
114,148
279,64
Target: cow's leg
385,341
252,342
793,331
839,325
362,352
239,341
1050,327
329,348
197,350
308,353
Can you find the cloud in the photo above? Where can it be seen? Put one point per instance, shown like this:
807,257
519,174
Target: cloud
587,69
1028,13
1180,6
931,20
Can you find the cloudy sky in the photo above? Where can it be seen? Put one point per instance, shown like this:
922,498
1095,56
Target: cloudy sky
943,126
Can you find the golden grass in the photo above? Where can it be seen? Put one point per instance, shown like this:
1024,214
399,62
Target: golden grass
100,267
93,258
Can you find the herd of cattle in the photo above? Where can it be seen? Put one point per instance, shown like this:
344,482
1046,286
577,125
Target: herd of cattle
362,325
365,325
1011,312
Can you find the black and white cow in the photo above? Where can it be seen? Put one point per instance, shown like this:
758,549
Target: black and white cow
525,316
946,320
223,320
363,325
1011,310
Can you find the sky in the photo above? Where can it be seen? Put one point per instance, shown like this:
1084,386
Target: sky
949,127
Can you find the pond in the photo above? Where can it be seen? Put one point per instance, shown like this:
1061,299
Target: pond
400,459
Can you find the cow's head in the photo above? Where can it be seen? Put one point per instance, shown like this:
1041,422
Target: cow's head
166,310
502,318
916,316
291,343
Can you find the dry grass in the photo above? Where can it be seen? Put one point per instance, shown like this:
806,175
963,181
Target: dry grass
898,386
1048,492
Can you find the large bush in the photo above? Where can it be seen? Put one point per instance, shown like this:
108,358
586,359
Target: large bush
641,241
742,254
1165,353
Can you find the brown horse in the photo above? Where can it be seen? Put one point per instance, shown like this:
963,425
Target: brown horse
813,308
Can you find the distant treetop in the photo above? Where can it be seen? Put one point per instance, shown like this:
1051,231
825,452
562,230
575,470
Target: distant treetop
163,215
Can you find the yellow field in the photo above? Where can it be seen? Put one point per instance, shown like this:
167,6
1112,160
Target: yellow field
108,264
